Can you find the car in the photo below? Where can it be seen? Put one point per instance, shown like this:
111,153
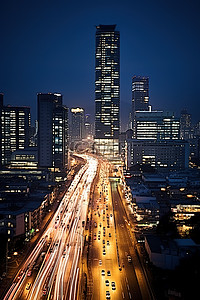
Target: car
109,234
107,282
108,273
107,295
100,262
113,285
129,259
44,292
104,246
103,272
98,237
104,252
28,286
20,274
103,241
108,243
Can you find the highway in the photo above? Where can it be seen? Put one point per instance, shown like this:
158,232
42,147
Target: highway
105,270
116,270
52,269
59,265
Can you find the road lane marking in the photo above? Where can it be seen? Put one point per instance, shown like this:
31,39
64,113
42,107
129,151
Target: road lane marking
129,295
128,287
123,295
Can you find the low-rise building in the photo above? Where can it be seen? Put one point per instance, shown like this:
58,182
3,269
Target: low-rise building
146,211
164,155
165,253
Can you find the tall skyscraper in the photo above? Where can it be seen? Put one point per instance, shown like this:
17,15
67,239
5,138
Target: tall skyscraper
77,124
140,96
185,125
107,90
14,127
88,126
52,131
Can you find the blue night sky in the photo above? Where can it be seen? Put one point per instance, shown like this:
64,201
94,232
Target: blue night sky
49,46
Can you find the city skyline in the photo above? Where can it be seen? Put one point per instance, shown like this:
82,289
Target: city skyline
41,55
99,150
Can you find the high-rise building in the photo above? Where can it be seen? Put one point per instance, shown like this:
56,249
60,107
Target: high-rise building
140,96
15,125
1,106
157,125
77,124
88,126
107,90
185,125
52,131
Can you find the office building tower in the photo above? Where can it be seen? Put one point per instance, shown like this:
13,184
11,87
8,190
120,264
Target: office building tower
186,132
107,91
52,131
88,126
1,106
77,124
140,96
164,155
15,126
157,125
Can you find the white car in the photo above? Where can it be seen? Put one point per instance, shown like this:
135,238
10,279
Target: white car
113,285
129,259
107,282
107,295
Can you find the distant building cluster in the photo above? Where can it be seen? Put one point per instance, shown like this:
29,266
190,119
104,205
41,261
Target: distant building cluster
34,161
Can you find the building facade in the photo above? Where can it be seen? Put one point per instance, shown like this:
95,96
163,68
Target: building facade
140,96
185,125
88,126
107,90
52,131
77,132
157,125
15,126
163,155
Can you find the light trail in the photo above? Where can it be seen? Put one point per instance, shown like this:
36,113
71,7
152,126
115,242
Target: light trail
59,272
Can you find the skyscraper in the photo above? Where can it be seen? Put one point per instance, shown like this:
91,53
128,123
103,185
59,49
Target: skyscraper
185,125
14,127
77,124
107,90
88,126
140,96
52,131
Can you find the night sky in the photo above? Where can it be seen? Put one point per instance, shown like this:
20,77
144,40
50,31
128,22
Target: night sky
49,46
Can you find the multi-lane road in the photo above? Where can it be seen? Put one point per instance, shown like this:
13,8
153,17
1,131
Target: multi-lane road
55,268
52,269
116,270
